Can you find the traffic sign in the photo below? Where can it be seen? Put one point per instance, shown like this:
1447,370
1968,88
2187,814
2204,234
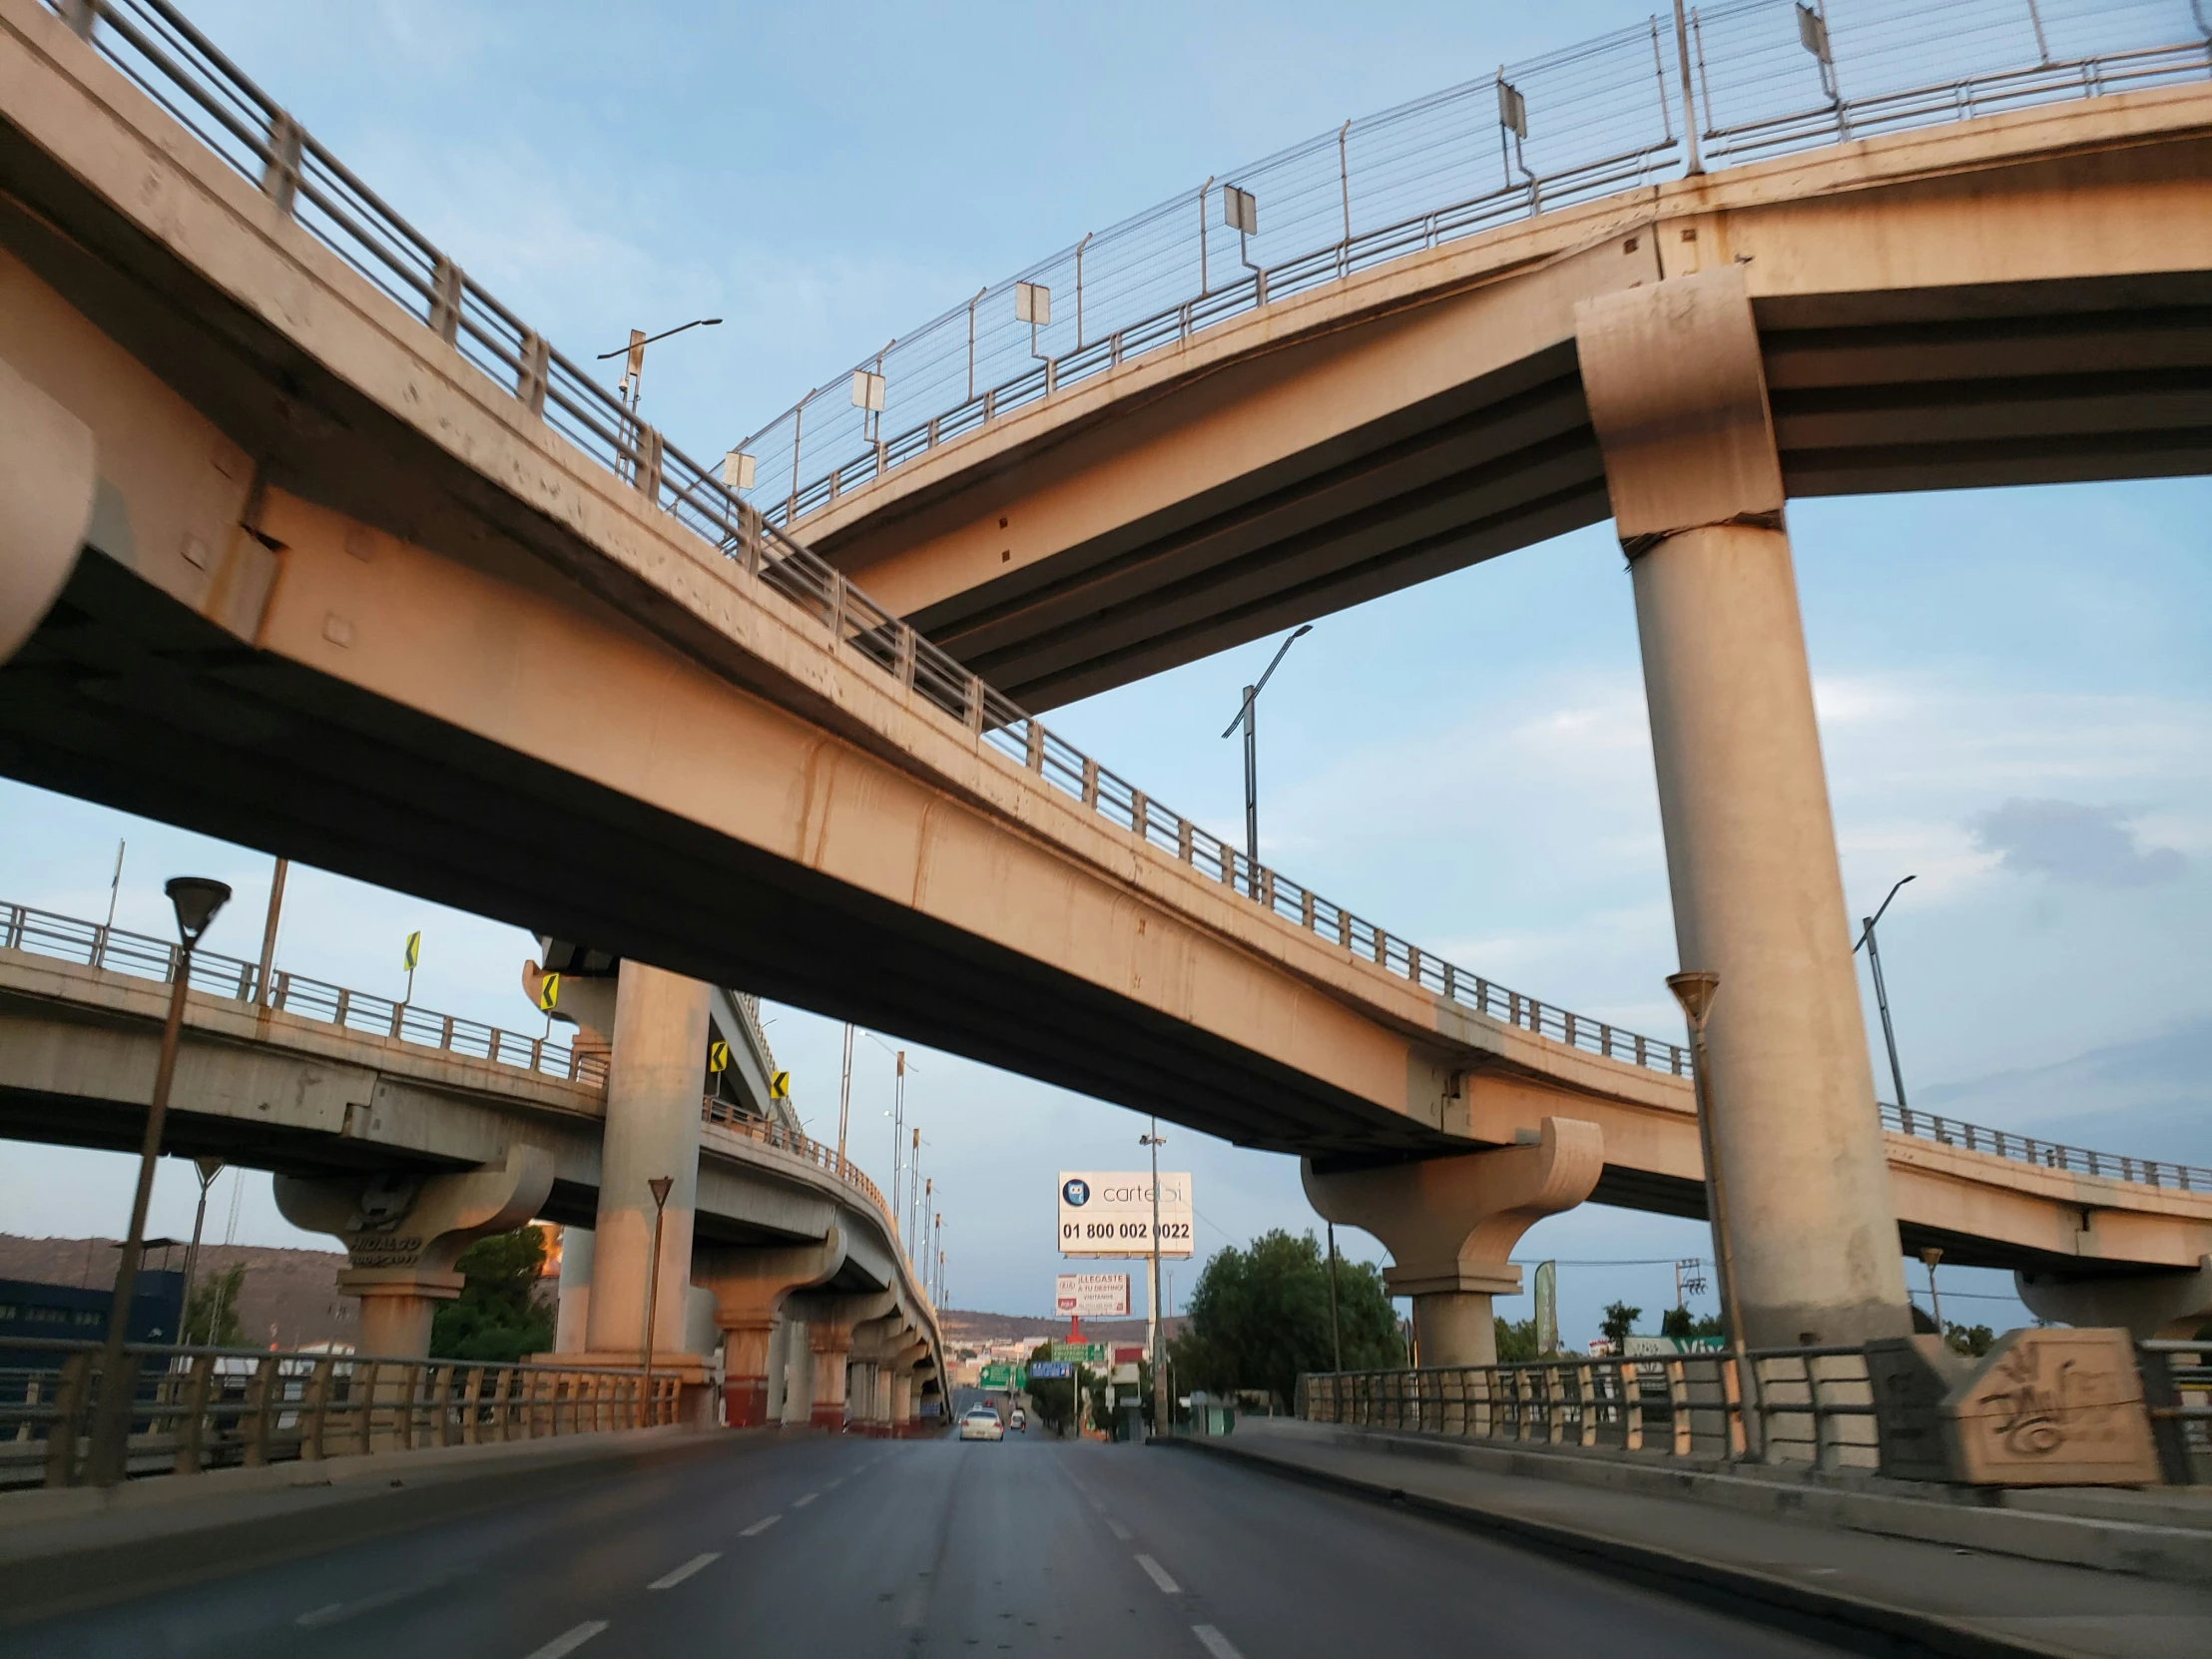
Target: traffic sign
549,992
1048,1371
780,1086
997,1374
718,1056
1091,1354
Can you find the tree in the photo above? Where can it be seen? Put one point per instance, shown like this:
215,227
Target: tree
1680,1323
497,1318
212,1317
1619,1323
1516,1342
1260,1317
1971,1339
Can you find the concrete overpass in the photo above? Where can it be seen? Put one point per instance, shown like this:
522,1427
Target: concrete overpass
302,1092
344,1092
348,591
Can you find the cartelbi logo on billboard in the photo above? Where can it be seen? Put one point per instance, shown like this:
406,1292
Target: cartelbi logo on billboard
1109,1212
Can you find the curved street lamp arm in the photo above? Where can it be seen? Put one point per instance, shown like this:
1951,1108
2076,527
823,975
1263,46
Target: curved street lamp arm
1254,695
1877,916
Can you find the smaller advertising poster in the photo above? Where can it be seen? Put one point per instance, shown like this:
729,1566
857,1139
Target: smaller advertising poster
1102,1295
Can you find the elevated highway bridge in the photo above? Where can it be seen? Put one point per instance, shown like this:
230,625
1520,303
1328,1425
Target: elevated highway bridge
317,548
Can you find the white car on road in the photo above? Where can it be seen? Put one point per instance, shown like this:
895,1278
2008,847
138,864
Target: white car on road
981,1423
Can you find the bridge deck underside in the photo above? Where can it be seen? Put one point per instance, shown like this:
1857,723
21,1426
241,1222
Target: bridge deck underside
1994,384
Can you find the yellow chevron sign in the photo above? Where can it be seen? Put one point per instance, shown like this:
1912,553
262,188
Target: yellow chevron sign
780,1086
549,992
718,1056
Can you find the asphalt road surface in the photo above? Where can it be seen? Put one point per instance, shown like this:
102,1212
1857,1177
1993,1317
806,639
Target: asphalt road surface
813,1546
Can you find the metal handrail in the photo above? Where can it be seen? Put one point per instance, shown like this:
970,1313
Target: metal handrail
1571,126
2027,1148
195,1408
93,945
1809,1406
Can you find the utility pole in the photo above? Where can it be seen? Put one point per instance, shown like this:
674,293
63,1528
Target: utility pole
1246,716
845,1095
1336,1334
264,991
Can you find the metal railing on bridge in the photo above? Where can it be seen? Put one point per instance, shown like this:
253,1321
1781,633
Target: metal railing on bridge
2027,1148
1810,1407
198,1408
1757,78
43,933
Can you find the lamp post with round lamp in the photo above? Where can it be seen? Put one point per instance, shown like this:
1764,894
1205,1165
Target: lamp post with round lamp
196,899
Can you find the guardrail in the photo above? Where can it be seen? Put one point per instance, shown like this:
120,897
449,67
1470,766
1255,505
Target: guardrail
198,1408
44,933
2027,1148
1754,78
1811,1405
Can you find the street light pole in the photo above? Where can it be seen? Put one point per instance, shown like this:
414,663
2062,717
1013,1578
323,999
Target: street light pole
1246,717
196,899
1158,1338
207,1169
633,371
660,1186
1882,991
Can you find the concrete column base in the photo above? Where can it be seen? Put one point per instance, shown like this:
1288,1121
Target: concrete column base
398,1306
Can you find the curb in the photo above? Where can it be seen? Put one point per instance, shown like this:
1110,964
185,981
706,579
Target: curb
1827,1615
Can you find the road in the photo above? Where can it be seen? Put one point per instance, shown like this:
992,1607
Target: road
816,1545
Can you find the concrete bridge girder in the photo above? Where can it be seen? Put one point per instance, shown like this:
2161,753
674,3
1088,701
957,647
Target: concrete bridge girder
2147,1306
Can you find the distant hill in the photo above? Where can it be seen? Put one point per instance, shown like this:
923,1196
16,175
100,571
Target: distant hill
290,1297
965,1325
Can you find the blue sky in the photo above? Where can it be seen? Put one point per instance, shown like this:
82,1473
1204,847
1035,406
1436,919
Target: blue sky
2015,687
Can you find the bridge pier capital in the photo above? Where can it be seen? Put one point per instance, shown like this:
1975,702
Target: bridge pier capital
2147,1306
749,1288
1451,1225
1677,392
403,1233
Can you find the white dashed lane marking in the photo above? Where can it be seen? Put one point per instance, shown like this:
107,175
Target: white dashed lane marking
570,1640
1120,1531
1220,1646
802,1502
669,1580
1159,1575
760,1526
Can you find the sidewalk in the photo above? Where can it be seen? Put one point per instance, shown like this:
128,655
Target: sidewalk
1828,1578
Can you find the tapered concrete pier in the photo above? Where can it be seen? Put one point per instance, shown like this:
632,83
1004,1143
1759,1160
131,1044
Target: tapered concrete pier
1678,396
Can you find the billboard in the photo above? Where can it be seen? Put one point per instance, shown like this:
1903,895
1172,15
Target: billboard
1102,1295
1109,1212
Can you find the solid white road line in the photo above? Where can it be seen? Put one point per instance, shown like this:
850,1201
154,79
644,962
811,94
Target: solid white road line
1220,1646
760,1526
669,1580
802,1502
1120,1531
570,1640
1159,1575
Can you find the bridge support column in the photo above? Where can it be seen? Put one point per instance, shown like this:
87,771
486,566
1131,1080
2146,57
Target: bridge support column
655,1080
403,1233
2145,1305
830,1324
749,1288
1451,1225
571,1323
1678,394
